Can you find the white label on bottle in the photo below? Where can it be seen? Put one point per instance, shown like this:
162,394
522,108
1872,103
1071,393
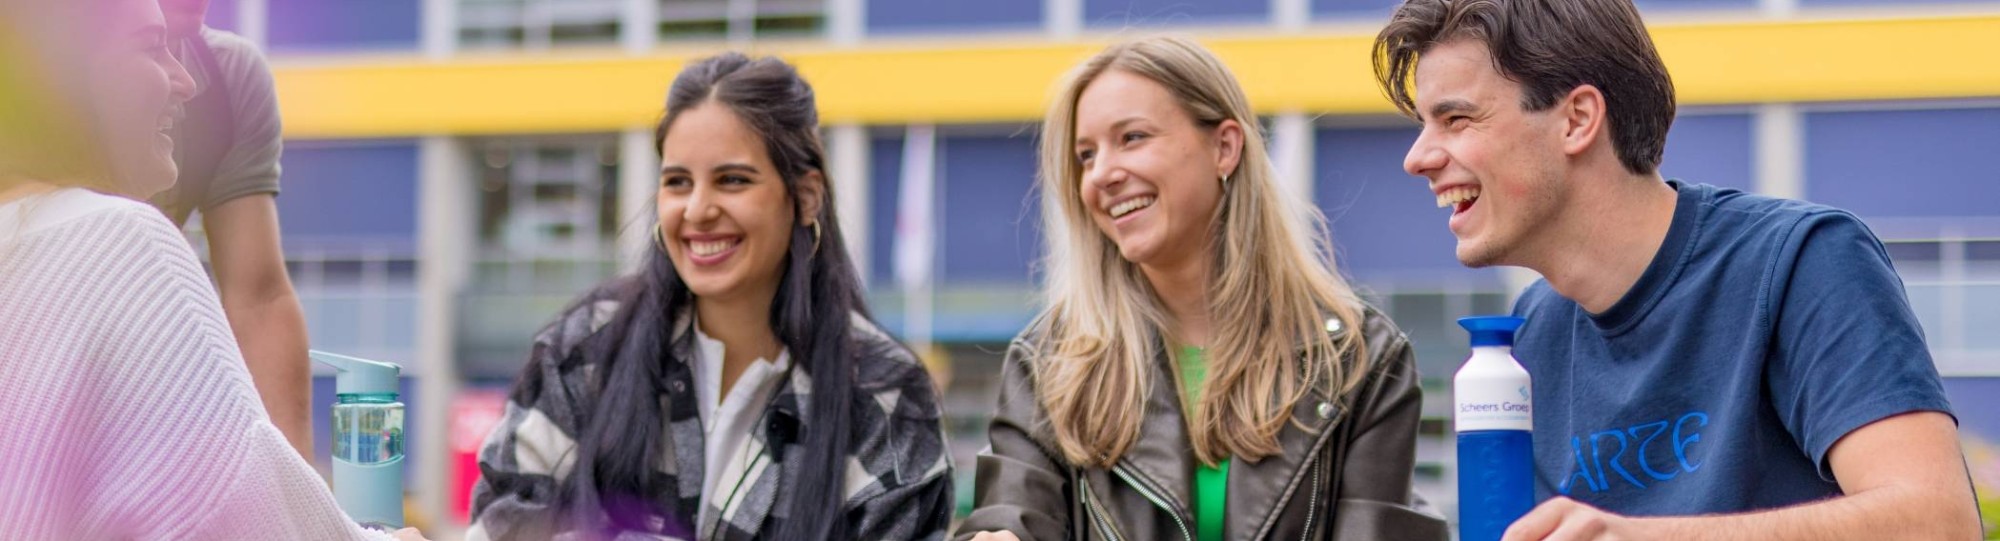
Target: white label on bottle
1492,394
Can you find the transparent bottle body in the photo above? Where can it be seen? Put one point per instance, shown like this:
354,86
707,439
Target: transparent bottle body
367,428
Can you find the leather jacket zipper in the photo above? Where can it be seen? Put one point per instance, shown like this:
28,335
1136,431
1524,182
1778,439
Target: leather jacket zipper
1151,495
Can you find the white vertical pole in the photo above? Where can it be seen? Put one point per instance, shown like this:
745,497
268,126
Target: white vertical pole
848,159
1778,9
1950,339
638,26
742,25
1291,15
1064,18
845,21
440,30
253,22
1292,153
1780,151
916,225
445,238
638,177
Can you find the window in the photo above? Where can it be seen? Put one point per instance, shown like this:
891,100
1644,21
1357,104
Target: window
538,24
546,231
548,213
689,20
950,16
1954,289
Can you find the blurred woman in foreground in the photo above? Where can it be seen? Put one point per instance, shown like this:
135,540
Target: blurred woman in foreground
131,413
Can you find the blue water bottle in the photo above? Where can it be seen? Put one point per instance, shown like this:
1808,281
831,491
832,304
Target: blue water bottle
367,440
1493,414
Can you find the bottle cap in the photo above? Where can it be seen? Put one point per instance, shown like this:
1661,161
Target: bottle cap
1491,330
360,376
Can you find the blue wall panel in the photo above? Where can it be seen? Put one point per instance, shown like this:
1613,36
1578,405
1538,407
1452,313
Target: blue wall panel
1712,149
344,24
222,15
1146,13
990,225
1976,402
1911,163
349,190
1385,222
1356,9
885,172
919,16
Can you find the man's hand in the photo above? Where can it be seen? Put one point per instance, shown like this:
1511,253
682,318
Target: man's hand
995,536
1902,476
1564,519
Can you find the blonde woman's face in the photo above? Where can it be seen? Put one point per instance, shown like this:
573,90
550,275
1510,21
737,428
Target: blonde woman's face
1151,176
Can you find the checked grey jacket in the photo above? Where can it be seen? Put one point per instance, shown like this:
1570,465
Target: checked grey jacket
899,483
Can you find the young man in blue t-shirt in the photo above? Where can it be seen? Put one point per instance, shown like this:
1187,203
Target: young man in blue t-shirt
1725,365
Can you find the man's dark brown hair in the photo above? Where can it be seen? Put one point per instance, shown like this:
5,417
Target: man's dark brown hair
1550,47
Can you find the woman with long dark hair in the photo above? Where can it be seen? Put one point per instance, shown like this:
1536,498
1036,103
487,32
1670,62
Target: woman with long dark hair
736,388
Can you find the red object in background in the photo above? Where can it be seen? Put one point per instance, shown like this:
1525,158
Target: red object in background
473,414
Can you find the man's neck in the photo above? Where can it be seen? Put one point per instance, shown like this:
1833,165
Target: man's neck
1610,232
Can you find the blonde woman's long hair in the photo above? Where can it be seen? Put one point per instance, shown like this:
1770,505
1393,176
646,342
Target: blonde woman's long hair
1271,290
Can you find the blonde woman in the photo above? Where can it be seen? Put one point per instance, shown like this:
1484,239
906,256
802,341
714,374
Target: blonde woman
1202,372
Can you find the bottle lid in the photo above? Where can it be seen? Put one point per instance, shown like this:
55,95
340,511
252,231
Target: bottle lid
361,376
1491,330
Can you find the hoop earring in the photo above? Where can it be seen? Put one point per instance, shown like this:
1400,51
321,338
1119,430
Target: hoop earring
815,238
1225,180
660,237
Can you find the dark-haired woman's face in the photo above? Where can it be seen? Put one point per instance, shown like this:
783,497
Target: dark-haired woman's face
725,216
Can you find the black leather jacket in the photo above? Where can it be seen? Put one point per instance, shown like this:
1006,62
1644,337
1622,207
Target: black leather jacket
1346,478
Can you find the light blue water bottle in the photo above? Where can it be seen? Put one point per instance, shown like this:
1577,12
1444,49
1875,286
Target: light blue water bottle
1494,415
367,440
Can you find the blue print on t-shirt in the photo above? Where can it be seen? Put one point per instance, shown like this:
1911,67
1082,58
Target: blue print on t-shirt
1635,442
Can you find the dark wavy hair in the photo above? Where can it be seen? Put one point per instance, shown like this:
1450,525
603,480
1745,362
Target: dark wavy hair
1550,47
818,294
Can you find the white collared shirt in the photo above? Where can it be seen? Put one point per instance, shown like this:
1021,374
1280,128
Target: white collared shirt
727,421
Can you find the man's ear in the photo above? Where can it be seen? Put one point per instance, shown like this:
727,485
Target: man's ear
1583,118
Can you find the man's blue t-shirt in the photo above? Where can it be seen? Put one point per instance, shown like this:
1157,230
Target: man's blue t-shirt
1763,331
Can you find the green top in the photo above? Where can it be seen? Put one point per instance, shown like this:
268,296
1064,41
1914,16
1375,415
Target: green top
1210,484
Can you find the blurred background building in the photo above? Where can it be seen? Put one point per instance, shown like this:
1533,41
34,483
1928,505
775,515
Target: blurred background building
456,170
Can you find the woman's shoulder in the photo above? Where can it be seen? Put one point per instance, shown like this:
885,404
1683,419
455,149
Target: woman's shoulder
883,364
900,441
91,236
69,208
588,315
1377,330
